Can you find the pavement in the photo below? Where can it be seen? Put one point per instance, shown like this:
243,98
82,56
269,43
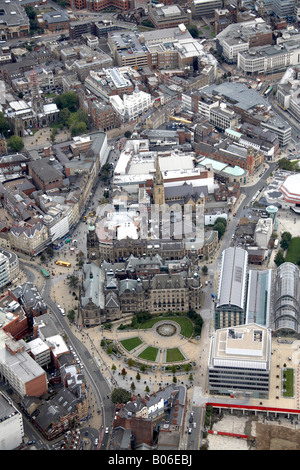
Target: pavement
41,138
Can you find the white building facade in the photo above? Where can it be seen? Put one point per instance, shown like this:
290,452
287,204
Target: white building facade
131,106
11,425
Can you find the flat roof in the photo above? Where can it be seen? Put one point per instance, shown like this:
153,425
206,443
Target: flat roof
237,93
245,346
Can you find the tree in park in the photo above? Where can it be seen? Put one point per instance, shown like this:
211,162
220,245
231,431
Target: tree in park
286,238
69,100
78,128
120,395
105,172
130,362
71,315
220,228
132,386
221,220
193,30
64,115
73,281
123,373
16,143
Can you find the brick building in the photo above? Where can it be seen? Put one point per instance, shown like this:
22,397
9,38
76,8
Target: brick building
232,154
25,376
99,5
44,175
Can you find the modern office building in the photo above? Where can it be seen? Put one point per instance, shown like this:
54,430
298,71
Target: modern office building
13,261
4,270
11,424
204,7
280,127
284,8
167,16
239,361
240,37
286,304
288,91
270,58
231,298
252,107
223,118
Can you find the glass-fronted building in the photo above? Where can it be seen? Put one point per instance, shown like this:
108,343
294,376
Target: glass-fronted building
286,305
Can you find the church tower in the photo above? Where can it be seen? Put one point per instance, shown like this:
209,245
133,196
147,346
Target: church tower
36,99
158,186
92,244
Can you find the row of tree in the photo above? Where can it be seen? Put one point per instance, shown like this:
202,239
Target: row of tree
33,21
285,241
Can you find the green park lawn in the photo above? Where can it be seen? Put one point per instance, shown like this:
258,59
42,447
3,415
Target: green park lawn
131,343
288,383
174,355
293,252
149,354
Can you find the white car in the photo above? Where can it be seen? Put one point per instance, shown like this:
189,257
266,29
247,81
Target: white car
106,430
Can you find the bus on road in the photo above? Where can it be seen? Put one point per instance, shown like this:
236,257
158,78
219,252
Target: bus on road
63,263
45,273
268,91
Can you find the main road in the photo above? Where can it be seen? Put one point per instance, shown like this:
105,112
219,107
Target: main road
94,378
193,441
